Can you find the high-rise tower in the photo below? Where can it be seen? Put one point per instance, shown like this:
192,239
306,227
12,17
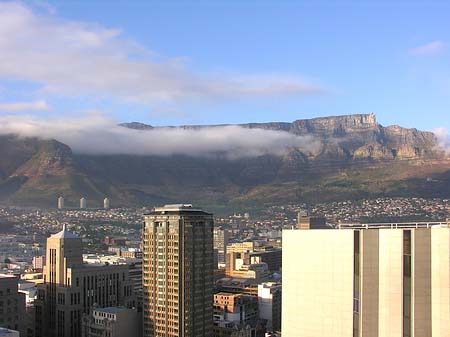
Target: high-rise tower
178,271
221,237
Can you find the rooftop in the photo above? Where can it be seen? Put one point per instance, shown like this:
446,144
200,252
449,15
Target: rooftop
111,310
176,207
401,225
7,332
64,234
7,276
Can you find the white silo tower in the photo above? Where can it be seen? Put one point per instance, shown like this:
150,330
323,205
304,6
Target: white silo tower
106,203
60,202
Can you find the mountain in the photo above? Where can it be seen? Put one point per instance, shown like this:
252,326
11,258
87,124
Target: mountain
353,157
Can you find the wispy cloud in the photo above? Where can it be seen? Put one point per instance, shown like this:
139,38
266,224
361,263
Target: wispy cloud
433,47
78,58
24,106
443,138
97,134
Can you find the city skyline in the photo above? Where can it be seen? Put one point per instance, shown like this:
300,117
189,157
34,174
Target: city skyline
224,168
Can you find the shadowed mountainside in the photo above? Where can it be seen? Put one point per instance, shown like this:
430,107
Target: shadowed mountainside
355,157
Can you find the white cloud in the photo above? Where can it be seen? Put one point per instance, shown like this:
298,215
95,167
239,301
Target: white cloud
77,58
24,106
443,138
433,47
96,134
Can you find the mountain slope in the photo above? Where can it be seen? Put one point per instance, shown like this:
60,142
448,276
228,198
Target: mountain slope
355,157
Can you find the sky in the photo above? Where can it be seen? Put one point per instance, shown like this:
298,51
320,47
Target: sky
215,62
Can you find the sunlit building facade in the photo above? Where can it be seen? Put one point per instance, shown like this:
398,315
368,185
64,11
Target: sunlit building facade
71,288
367,281
178,268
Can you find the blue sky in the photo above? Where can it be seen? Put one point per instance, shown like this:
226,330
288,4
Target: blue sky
232,61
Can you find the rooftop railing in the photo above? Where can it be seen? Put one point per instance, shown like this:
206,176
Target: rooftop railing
399,225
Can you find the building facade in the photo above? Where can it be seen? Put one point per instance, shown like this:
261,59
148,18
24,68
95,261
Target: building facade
269,301
367,281
12,304
241,247
111,322
221,237
235,313
271,256
71,288
178,269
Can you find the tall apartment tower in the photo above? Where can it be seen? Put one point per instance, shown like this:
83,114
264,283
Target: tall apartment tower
83,203
221,238
379,280
72,288
178,269
106,203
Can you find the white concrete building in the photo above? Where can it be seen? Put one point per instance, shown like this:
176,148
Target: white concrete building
367,281
269,303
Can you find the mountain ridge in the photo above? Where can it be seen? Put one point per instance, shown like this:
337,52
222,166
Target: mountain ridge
357,157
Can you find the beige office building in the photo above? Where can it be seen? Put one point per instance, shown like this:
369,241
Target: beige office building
367,281
178,269
71,288
241,247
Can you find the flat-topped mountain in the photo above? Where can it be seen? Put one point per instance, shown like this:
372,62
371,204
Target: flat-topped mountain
353,156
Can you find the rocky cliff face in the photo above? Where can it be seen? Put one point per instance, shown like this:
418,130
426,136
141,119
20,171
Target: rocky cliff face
356,157
353,137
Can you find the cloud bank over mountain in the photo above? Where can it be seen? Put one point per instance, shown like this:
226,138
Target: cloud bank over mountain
443,138
97,134
40,105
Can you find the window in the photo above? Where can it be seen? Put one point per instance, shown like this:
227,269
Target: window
407,283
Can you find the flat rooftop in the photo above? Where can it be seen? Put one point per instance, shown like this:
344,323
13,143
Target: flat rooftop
177,209
111,310
7,276
399,225
7,332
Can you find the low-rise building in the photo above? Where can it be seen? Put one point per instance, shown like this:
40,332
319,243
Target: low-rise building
111,322
271,256
234,313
